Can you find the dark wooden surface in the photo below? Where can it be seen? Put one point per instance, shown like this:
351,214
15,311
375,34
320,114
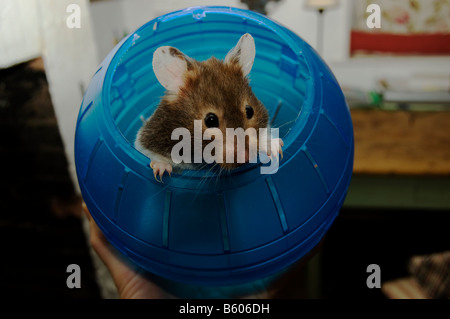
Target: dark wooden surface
40,225
401,142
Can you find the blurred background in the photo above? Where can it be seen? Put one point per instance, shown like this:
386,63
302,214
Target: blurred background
396,79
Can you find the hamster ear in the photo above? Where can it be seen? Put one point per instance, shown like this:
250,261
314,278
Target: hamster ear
169,65
243,53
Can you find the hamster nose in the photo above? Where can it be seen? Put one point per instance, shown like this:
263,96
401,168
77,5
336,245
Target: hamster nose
235,155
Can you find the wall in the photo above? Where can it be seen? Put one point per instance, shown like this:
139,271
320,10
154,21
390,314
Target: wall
70,61
305,22
19,32
362,72
113,19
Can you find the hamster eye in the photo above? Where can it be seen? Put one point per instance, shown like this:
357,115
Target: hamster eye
211,120
249,111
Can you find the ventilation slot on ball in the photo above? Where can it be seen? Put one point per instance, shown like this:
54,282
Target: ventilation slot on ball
223,223
166,217
316,168
277,202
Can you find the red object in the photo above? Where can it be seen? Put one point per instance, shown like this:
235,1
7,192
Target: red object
422,43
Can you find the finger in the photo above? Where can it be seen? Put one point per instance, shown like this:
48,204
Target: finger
107,253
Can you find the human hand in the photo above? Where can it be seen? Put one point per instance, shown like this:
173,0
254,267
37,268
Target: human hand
130,281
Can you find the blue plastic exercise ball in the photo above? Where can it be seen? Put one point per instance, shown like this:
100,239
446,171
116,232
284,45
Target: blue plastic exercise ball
197,227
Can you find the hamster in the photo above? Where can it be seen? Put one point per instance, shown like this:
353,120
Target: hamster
215,92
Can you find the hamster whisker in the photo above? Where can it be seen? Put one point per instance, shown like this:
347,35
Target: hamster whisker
286,123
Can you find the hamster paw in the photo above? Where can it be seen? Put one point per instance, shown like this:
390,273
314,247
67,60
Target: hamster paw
276,147
159,168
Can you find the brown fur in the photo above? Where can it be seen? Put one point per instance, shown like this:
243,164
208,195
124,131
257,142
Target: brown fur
209,86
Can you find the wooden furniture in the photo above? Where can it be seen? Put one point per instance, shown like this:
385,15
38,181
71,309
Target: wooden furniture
401,142
402,160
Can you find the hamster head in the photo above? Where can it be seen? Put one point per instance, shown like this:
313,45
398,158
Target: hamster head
218,94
